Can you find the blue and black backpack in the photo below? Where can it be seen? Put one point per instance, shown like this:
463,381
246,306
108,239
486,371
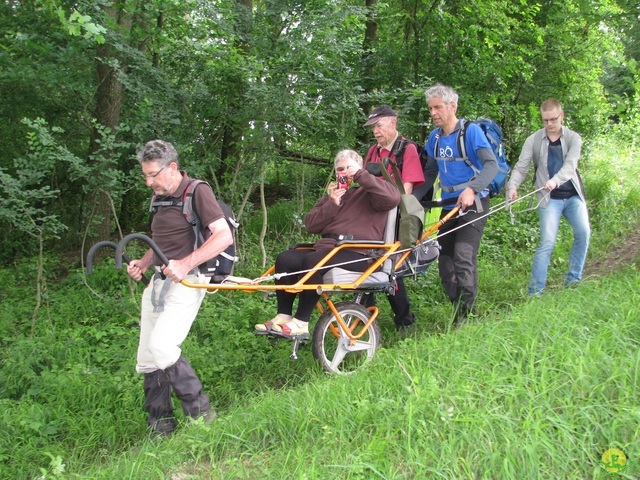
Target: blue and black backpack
493,132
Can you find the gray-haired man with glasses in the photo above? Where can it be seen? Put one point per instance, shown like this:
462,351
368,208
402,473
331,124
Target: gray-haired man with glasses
168,307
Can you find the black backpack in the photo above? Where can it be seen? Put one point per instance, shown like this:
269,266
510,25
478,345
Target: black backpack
218,268
397,150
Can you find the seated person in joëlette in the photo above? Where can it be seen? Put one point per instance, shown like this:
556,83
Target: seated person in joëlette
358,212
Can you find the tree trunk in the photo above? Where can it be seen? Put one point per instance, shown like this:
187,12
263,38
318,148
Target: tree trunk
370,39
109,101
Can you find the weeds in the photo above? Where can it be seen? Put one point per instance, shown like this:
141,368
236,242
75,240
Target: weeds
534,389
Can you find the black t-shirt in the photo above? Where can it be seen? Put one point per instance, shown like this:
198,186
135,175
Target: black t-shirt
554,164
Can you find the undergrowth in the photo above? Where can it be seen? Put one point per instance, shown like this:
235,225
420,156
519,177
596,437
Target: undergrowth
533,386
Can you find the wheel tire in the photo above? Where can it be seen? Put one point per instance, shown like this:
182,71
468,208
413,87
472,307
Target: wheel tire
331,345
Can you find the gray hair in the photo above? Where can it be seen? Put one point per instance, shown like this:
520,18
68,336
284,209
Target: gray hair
158,151
348,155
447,94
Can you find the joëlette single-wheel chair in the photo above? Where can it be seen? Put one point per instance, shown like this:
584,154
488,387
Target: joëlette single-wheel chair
346,335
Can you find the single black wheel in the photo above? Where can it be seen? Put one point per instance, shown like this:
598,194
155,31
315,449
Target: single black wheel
331,345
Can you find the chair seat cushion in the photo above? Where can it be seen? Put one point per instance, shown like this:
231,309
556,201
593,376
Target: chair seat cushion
342,276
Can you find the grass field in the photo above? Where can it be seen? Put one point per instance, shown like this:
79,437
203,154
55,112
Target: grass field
541,393
534,388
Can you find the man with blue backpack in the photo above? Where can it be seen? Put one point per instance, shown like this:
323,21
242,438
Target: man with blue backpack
460,153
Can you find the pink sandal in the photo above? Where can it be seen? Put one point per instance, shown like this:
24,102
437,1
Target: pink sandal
267,327
291,330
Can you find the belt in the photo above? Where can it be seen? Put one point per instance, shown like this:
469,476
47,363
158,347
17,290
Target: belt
337,237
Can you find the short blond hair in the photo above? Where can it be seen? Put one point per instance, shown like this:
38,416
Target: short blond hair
550,104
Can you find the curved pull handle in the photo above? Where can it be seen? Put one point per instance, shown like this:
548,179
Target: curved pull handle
92,252
137,236
106,243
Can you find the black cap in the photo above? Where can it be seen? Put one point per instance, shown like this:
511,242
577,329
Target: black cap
378,113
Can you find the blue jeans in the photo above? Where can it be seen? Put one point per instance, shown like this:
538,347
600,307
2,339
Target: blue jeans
575,211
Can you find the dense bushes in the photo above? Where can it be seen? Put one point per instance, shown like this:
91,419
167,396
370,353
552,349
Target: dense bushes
70,395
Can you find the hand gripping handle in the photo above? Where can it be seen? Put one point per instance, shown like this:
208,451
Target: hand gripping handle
106,243
137,236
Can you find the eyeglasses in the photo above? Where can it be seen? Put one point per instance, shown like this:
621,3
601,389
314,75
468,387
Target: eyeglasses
152,175
551,120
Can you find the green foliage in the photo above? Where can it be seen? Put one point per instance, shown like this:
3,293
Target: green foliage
77,23
247,95
71,397
542,392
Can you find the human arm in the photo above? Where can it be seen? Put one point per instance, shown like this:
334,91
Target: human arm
411,174
221,237
430,175
372,193
383,195
521,168
488,171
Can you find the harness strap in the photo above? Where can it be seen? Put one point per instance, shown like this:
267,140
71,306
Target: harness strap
453,188
157,298
335,236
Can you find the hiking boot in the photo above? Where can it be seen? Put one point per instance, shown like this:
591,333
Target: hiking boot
163,428
188,388
208,416
407,323
158,404
464,315
407,330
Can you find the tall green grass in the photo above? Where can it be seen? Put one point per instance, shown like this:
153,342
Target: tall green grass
541,393
534,389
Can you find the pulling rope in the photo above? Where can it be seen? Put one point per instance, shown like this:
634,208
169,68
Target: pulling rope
496,208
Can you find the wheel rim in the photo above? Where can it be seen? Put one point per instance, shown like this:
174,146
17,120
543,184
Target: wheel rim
332,346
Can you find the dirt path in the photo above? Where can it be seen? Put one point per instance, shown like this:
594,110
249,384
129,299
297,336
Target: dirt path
626,253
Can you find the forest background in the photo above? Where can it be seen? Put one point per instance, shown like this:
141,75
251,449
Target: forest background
257,96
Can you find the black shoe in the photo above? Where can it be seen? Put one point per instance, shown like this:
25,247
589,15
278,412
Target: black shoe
463,316
209,416
407,325
163,428
406,330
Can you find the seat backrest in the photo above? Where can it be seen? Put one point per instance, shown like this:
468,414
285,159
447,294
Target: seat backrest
390,236
382,276
391,227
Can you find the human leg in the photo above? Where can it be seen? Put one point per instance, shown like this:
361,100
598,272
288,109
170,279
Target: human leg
549,218
307,299
399,302
188,388
287,261
163,328
158,404
446,268
465,260
576,213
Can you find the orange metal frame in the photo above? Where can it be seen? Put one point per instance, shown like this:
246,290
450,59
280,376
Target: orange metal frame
323,289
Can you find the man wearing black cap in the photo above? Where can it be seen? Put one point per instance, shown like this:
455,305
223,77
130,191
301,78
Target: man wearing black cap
383,122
